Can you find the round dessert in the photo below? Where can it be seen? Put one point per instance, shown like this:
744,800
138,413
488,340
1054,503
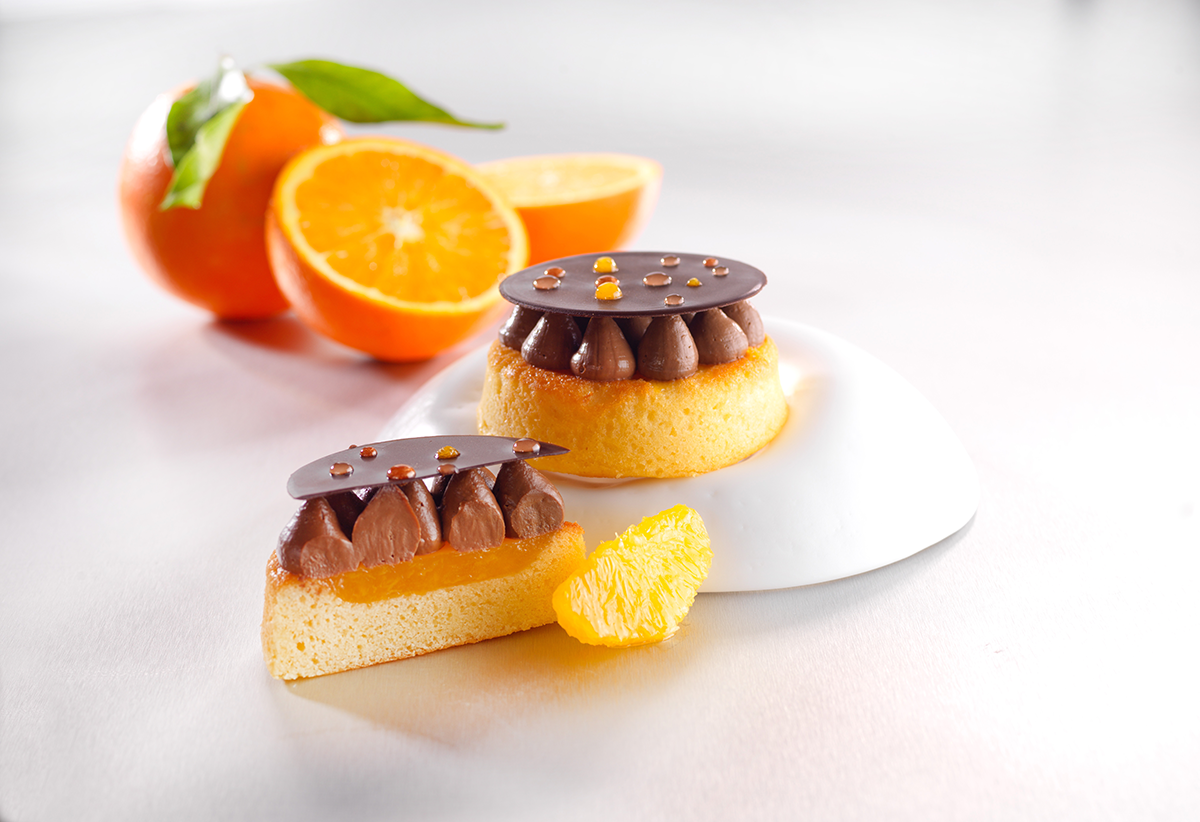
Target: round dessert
643,364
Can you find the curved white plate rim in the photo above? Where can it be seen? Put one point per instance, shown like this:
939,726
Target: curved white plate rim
865,472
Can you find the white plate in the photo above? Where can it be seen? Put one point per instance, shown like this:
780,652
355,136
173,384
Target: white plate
864,473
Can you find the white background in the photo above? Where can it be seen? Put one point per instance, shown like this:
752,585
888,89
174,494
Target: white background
998,199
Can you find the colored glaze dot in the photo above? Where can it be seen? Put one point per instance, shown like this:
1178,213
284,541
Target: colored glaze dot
694,283
711,262
607,278
368,453
446,470
341,469
720,271
670,261
526,446
657,279
546,283
401,472
604,265
447,452
555,271
608,291
673,299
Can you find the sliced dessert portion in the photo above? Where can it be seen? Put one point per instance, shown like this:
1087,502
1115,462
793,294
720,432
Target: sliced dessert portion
377,566
644,364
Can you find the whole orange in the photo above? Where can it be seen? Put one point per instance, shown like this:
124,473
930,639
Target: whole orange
215,256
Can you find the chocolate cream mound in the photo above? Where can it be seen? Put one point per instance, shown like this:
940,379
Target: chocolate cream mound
471,510
670,347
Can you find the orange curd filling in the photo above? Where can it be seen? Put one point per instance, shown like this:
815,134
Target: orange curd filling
441,569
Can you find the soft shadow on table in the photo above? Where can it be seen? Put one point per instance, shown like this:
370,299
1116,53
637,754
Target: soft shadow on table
464,693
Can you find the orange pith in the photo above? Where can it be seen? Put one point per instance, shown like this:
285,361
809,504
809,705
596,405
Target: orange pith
391,247
578,203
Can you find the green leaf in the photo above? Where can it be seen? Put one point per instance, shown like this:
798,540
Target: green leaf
198,127
360,95
200,161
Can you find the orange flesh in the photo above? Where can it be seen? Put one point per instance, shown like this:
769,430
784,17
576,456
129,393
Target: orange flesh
405,227
441,569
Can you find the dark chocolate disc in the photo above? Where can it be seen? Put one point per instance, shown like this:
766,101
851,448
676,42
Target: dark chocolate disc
576,292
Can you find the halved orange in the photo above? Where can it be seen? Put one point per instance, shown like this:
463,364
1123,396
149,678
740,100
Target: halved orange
391,247
578,203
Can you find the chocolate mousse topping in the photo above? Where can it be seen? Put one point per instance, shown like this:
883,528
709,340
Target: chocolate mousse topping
634,328
604,355
471,518
530,503
387,531
314,545
667,351
428,520
519,324
347,505
718,338
552,342
748,319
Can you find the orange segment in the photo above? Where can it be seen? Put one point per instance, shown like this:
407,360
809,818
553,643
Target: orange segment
638,587
578,203
391,247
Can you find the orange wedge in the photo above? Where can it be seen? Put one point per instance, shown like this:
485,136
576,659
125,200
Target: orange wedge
578,203
391,247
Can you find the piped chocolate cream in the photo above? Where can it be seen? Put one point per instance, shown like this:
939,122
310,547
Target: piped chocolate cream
387,530
529,502
428,520
667,350
718,338
604,355
520,323
314,545
748,320
552,342
471,518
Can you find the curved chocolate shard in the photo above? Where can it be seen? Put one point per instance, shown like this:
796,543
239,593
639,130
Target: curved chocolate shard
387,531
520,322
347,505
718,338
428,519
634,328
749,321
604,355
313,545
576,291
667,351
530,503
471,518
552,342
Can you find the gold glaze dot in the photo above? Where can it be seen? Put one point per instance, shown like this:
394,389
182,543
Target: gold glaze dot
604,265
670,261
720,271
673,299
656,279
694,283
401,472
446,470
711,262
447,452
546,283
555,271
608,291
526,446
368,452
341,469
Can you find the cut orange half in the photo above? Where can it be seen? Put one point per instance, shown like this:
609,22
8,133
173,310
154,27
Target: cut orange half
578,203
391,247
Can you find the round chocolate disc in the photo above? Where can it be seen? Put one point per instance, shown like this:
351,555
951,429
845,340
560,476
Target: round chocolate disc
576,291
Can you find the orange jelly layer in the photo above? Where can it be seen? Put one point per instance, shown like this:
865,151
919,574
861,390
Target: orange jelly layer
441,569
